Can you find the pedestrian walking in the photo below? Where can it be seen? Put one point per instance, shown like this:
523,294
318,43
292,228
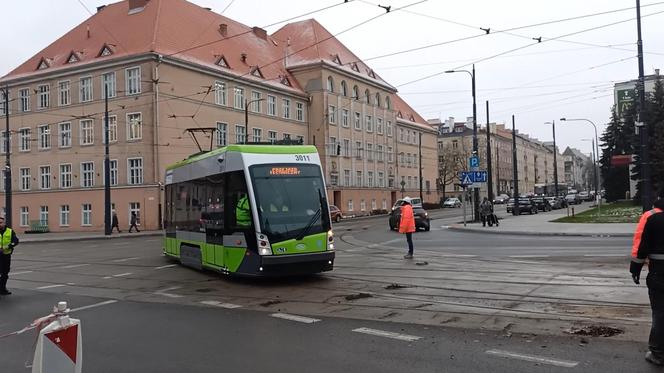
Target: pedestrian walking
8,241
134,220
648,244
115,223
485,212
407,225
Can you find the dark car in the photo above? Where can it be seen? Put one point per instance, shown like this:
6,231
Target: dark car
542,204
422,220
526,205
573,199
335,213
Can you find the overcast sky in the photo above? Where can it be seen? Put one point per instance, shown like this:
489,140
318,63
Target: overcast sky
571,76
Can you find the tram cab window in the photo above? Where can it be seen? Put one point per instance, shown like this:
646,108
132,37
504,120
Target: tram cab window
236,190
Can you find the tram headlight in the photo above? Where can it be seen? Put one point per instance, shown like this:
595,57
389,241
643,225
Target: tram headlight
264,247
264,251
330,240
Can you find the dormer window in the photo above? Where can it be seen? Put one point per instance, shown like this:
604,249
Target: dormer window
399,115
105,51
255,71
412,118
337,60
221,61
354,67
73,58
285,81
371,73
43,64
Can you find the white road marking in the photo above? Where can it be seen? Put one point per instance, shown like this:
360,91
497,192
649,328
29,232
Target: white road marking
608,255
76,265
50,286
118,275
125,259
20,273
459,255
533,358
219,304
382,333
166,266
93,305
285,316
529,256
170,295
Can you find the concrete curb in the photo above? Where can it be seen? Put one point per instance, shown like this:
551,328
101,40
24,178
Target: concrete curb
537,234
34,239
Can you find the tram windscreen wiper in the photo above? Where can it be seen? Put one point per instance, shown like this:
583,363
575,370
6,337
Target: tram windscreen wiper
314,218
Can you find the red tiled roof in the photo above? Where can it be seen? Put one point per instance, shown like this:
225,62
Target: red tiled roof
407,112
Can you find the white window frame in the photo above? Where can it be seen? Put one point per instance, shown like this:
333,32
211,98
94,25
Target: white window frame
369,123
132,82
344,118
3,145
285,107
272,105
43,96
86,210
64,134
220,94
65,176
64,93
379,126
65,212
256,134
346,148
240,134
379,152
113,165
134,127
222,133
24,100
44,176
369,151
135,171
43,215
86,134
299,111
350,205
112,129
25,178
272,136
332,114
388,127
256,101
238,98
24,139
24,214
347,178
110,83
44,139
134,207
87,174
85,93
357,121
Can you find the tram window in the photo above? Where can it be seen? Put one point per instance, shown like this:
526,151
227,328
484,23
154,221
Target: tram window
212,214
236,187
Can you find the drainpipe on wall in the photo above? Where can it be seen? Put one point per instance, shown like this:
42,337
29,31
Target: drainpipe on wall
155,146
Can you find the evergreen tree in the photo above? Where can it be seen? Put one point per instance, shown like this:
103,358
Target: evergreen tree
617,139
656,134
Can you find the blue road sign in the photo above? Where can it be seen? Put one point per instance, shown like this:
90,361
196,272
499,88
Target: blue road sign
474,161
480,176
471,177
465,179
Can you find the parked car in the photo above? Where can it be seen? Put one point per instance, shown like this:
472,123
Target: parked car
585,196
501,199
526,205
555,202
573,199
415,202
335,213
422,220
563,202
452,202
542,204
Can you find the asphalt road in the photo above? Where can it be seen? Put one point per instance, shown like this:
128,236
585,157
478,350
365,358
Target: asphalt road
473,301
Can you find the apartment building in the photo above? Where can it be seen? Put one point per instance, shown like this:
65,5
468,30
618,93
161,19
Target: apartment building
139,56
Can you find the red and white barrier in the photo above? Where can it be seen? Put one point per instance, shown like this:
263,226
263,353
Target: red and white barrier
59,348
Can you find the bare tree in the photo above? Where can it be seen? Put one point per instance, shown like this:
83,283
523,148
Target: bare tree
452,159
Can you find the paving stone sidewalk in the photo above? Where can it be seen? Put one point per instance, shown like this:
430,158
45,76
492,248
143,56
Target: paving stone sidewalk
80,236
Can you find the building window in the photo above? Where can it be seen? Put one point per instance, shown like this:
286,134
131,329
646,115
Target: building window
43,215
65,175
113,166
401,134
87,174
25,216
379,153
356,92
332,114
86,214
239,98
4,105
134,126
377,99
388,128
369,123
3,145
135,207
358,121
381,180
64,134
344,118
344,88
299,111
256,101
367,96
287,136
25,178
346,148
286,108
271,105
334,179
330,84
388,103
373,204
350,205
24,100
44,137
358,149
240,134
390,154
133,80
108,85
370,179
64,215
24,139
272,136
220,93
370,152
85,89
112,129
43,96
222,134
64,93
44,177
135,171
379,126
363,205
87,132
346,177
358,178
257,134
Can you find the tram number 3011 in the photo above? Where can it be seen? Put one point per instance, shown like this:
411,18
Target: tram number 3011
302,158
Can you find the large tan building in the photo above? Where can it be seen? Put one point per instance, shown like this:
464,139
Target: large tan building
534,158
165,69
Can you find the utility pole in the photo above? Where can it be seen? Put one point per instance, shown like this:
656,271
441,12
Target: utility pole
646,192
8,168
555,160
420,156
488,155
107,169
476,195
515,209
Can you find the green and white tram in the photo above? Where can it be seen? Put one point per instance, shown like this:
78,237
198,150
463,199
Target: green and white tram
249,210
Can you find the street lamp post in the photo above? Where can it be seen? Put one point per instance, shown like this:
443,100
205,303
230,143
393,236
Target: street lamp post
108,229
476,195
555,160
246,117
598,195
8,168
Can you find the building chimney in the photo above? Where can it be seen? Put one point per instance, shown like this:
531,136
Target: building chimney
99,8
223,29
137,5
259,32
243,57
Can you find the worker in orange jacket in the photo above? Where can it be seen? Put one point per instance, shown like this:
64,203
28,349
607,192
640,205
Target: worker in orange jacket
649,244
407,225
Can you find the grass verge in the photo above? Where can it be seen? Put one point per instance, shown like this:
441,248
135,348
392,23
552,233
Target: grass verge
617,212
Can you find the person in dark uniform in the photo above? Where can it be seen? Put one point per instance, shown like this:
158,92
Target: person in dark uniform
648,245
134,220
115,223
8,241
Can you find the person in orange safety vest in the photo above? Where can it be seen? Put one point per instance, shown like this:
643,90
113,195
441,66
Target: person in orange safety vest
649,245
407,225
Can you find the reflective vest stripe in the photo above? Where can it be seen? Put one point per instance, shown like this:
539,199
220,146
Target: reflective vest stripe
656,256
242,215
5,241
639,230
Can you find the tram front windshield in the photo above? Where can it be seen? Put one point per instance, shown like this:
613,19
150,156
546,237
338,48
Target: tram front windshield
291,200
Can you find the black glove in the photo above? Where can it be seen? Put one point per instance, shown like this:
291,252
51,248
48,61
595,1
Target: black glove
635,270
